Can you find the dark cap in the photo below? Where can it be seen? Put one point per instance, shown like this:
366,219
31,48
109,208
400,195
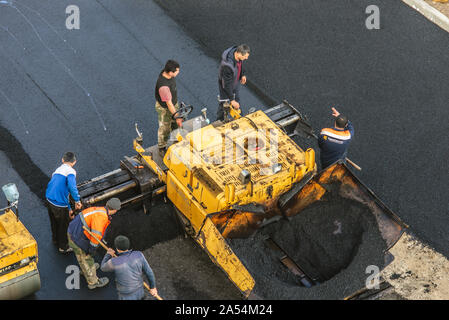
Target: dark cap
114,204
341,121
121,243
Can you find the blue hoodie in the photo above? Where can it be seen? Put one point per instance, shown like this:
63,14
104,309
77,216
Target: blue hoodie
63,182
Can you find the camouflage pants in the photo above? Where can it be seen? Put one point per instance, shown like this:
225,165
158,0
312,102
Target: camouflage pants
86,262
166,124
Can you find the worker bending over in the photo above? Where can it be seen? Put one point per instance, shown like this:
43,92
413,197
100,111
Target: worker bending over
334,142
96,220
128,266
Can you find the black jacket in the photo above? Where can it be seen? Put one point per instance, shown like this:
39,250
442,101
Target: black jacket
227,75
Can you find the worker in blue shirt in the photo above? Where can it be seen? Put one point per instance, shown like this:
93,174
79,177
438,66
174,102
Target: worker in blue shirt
334,142
128,266
62,183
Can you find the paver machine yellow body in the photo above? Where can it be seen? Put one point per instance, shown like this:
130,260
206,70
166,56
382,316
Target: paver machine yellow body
246,162
229,179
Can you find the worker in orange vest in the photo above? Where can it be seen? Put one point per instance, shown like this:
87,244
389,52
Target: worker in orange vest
97,220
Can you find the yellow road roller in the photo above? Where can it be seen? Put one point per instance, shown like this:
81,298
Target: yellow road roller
252,198
19,276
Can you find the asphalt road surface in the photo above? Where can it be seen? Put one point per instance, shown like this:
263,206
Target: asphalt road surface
83,90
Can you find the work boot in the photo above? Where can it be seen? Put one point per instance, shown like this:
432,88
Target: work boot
101,283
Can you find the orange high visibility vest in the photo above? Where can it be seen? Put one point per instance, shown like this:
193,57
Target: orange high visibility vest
96,219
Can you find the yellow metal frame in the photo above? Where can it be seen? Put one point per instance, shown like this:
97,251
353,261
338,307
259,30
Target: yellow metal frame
148,160
198,187
217,187
16,244
222,255
208,237
235,113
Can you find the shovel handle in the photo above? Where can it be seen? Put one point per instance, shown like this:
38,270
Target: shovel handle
353,164
148,288
95,237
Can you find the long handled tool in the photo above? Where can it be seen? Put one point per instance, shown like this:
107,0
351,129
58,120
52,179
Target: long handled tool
99,241
106,248
353,164
148,288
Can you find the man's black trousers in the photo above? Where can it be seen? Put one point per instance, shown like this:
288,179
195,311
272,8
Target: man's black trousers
59,221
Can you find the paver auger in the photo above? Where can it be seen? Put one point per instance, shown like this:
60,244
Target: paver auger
230,180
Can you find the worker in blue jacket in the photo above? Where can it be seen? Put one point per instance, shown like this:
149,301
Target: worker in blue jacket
128,266
334,142
62,183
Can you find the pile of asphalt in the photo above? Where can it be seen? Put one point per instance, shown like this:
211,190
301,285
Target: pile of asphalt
144,230
184,271
335,238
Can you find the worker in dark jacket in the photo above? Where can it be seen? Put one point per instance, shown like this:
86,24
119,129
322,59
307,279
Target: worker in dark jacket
96,220
62,183
230,75
334,142
129,267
